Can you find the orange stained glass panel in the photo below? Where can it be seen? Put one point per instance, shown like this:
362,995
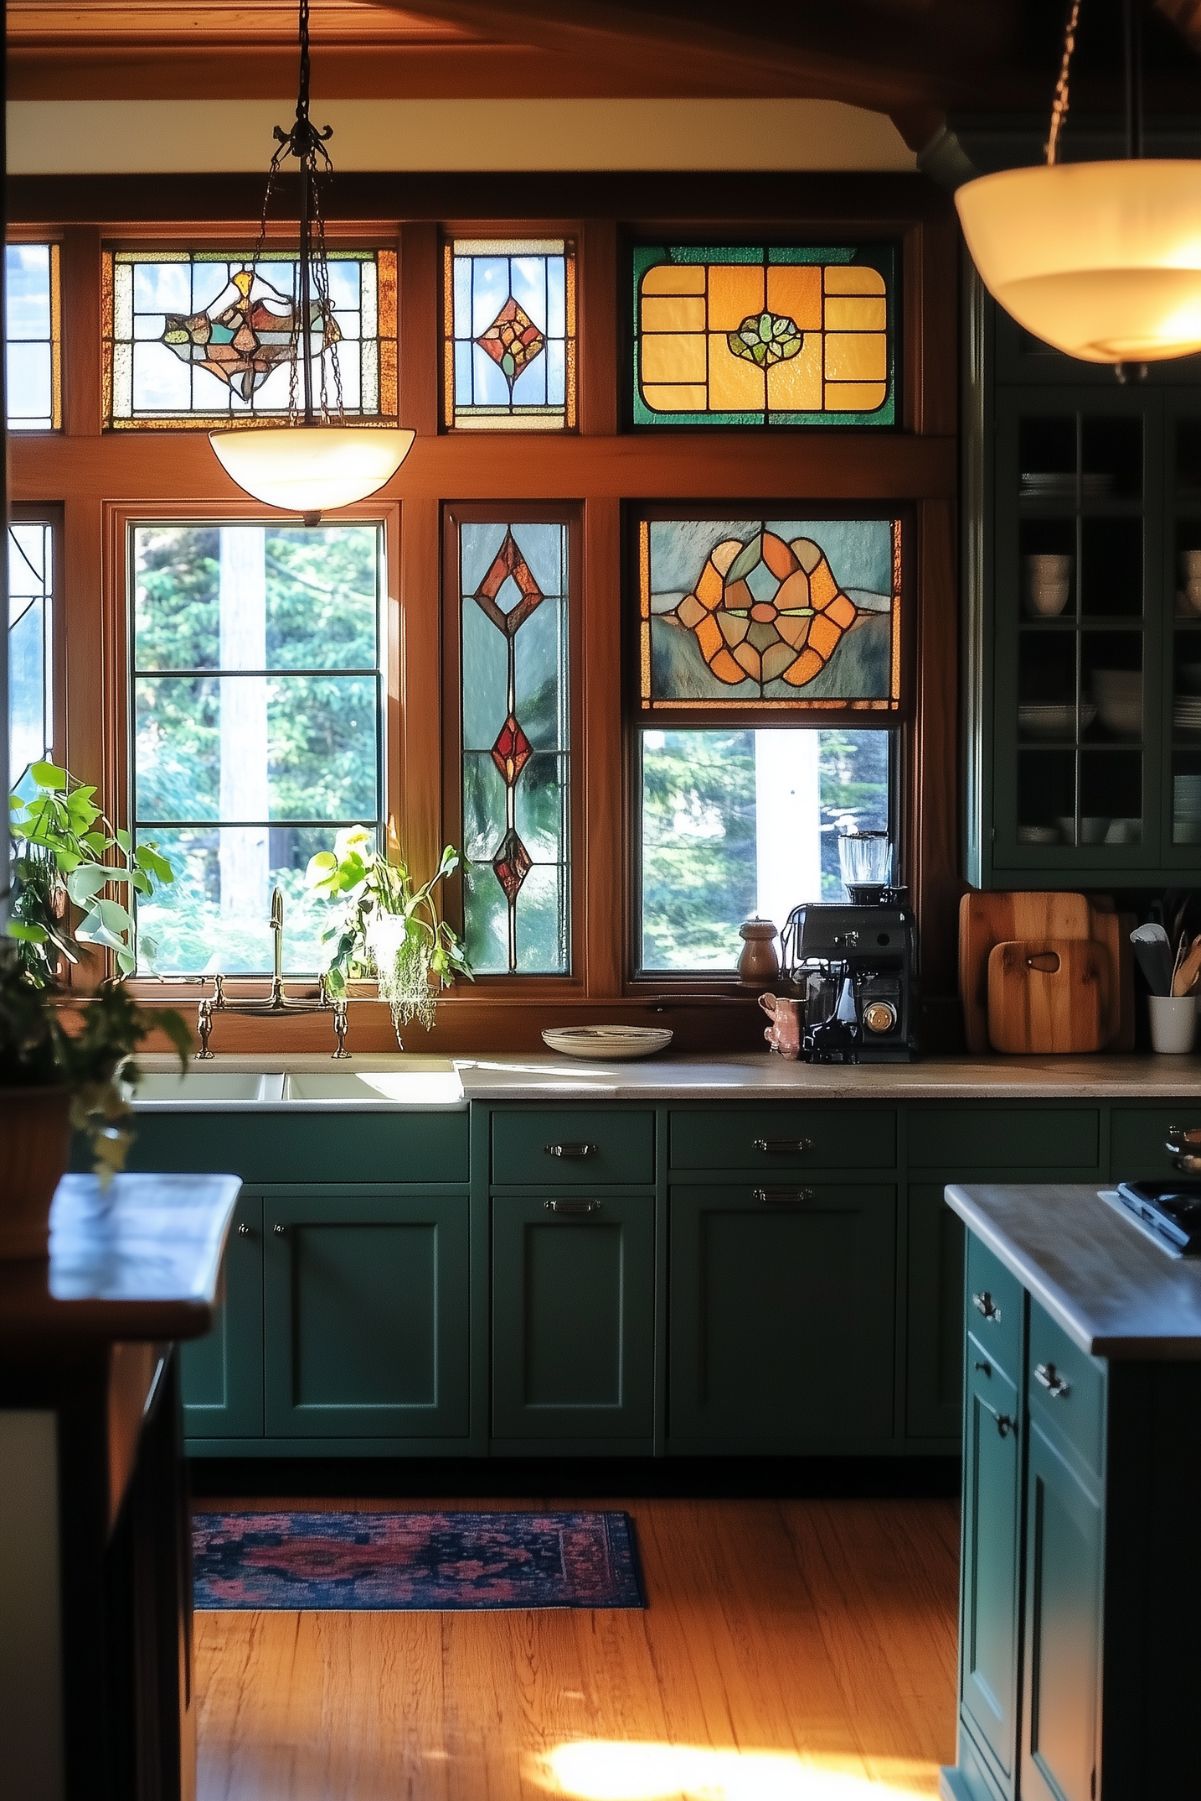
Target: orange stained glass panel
735,383
673,312
795,290
684,398
855,396
795,386
673,357
854,312
853,278
736,290
856,356
675,278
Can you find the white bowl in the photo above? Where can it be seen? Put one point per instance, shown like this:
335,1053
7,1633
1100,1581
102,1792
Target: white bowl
1124,717
1190,563
607,1044
1049,564
1039,834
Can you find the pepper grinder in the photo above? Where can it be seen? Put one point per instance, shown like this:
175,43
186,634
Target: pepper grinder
758,962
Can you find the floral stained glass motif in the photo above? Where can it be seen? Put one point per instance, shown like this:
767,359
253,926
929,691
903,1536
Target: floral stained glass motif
30,670
770,613
32,337
509,334
197,338
764,335
515,784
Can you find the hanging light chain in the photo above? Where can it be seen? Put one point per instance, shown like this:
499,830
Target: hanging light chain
1062,99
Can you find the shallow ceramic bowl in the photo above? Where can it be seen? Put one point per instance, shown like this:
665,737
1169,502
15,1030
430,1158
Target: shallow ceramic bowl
607,1044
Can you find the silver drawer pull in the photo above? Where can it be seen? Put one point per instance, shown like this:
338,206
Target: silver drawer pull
1049,1378
984,1303
243,1230
781,1147
570,1150
784,1197
1005,1422
279,1230
572,1206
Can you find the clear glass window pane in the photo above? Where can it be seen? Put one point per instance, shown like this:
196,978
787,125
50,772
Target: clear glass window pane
30,620
516,755
201,337
742,822
509,334
257,725
32,337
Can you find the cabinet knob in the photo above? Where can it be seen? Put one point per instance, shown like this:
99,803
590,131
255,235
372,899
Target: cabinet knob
279,1229
984,1303
1048,1377
568,1207
570,1150
244,1230
1005,1423
781,1147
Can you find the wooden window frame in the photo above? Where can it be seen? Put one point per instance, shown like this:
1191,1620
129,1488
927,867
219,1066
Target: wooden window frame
101,477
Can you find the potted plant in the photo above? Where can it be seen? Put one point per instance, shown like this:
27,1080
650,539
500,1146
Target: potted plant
54,1080
389,927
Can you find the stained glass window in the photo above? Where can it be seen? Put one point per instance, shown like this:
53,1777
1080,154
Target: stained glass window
30,626
764,335
257,726
32,337
515,746
196,338
509,334
770,614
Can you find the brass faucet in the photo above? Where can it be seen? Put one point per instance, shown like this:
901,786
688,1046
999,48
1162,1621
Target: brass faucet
276,1001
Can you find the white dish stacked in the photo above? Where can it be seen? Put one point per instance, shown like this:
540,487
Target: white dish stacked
607,1044
1119,697
1186,809
1038,720
1048,583
1186,713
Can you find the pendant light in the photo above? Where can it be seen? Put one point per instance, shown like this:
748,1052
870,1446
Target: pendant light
1102,260
315,461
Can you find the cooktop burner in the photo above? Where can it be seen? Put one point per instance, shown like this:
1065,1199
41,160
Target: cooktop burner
1172,1209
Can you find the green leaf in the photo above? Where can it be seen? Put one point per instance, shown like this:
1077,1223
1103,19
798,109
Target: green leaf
124,841
48,775
126,962
153,863
27,931
85,882
114,915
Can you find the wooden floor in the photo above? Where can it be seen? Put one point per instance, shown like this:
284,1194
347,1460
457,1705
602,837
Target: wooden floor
798,1650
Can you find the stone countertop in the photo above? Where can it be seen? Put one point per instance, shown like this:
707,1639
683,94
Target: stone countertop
758,1076
140,1261
1115,1293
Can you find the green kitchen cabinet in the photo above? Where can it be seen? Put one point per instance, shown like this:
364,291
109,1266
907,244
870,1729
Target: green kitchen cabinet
572,1146
934,1316
221,1375
992,1536
781,1317
367,1321
1062,1652
573,1316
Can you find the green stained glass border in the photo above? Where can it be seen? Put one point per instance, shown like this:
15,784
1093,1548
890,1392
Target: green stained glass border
883,257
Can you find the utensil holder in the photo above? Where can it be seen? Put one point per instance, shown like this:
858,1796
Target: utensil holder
1173,1023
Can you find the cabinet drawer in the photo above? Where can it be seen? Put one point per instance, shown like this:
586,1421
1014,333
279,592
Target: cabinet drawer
1004,1137
1065,1390
993,1307
763,1139
573,1147
1138,1138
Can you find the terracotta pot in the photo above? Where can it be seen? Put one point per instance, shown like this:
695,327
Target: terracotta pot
35,1143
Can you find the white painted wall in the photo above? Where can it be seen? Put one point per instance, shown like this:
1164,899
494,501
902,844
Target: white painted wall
113,137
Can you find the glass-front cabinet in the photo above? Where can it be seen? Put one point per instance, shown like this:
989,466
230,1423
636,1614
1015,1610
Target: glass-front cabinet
1084,671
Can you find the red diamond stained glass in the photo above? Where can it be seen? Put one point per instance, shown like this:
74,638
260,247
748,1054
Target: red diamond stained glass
512,340
511,865
512,751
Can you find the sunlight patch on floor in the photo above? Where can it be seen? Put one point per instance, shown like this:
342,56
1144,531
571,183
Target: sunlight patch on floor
604,1770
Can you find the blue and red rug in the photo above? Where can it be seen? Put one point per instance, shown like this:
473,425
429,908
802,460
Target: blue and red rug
416,1562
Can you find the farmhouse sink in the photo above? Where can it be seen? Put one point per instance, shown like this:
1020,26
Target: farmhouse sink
212,1087
423,1081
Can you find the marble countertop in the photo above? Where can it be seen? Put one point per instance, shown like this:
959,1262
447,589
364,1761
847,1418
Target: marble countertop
749,1076
1114,1292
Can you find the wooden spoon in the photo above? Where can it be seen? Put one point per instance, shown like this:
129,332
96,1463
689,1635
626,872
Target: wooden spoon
1189,969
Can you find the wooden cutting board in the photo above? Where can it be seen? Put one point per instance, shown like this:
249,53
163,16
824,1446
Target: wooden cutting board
1048,994
989,919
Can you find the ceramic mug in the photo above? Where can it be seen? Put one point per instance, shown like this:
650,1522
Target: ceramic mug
1173,1023
783,1035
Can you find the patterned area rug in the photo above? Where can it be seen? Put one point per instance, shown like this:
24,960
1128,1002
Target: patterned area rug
416,1562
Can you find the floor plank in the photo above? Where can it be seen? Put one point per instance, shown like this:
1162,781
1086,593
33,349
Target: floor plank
795,1650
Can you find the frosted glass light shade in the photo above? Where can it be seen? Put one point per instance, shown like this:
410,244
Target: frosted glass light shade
311,469
1101,260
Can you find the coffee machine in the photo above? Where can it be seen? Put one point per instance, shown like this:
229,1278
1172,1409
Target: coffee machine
853,963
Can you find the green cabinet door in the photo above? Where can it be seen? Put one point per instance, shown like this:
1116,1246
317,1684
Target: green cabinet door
992,1514
934,1288
367,1314
781,1317
222,1375
1062,1652
573,1305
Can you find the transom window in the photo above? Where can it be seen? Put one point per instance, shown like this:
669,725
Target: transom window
32,337
257,727
30,643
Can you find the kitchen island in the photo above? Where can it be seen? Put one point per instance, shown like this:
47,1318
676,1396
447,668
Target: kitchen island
1079,1661
95,1552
